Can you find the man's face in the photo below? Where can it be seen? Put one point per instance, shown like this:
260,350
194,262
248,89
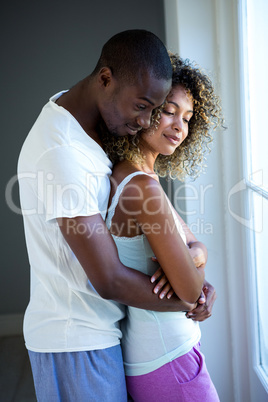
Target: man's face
126,109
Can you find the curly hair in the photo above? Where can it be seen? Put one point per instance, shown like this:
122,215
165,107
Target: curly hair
189,158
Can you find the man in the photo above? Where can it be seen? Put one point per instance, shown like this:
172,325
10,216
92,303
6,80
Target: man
71,324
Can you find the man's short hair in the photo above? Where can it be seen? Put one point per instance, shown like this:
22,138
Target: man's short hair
129,52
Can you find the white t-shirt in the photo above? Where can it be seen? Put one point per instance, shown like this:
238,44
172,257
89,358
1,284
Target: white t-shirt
150,338
63,173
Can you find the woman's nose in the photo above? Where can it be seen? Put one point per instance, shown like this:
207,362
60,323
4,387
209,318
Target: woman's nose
177,125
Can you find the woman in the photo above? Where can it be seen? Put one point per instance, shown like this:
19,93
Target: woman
161,350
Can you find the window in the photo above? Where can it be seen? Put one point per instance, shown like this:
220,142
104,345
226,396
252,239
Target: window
254,67
216,34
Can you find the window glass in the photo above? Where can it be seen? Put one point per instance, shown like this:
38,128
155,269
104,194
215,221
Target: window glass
257,162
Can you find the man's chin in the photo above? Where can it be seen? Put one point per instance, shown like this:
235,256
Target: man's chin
118,133
114,131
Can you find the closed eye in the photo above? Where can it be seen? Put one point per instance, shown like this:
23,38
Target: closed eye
141,107
168,113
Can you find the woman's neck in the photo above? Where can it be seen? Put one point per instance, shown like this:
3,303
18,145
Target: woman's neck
146,168
149,159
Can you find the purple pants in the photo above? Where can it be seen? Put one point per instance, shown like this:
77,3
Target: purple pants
185,379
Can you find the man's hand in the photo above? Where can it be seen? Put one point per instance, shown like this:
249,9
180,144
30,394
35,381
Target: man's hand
205,304
202,311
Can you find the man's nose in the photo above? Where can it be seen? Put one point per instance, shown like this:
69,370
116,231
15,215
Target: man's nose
145,120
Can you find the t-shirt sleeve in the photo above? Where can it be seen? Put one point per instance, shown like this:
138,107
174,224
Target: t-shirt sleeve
67,183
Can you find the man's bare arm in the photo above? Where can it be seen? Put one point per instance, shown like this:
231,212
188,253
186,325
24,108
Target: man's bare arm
96,251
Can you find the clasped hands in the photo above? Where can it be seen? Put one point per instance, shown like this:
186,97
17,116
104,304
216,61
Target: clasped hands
203,309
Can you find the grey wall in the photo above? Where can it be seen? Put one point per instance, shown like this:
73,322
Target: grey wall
46,47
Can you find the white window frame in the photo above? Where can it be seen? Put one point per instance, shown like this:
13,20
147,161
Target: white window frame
251,186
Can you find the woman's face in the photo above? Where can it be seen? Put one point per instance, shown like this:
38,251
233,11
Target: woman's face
174,123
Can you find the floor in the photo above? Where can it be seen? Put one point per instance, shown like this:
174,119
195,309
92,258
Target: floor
16,382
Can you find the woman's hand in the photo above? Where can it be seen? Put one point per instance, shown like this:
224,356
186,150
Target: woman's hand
197,254
205,303
163,286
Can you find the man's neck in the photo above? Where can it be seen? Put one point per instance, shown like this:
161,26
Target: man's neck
80,102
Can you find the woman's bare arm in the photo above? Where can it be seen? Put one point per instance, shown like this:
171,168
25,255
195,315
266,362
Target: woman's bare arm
94,247
154,216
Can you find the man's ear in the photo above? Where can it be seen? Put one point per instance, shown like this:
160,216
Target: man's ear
105,76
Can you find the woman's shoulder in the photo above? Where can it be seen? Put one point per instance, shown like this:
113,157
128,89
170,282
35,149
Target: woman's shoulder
124,169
